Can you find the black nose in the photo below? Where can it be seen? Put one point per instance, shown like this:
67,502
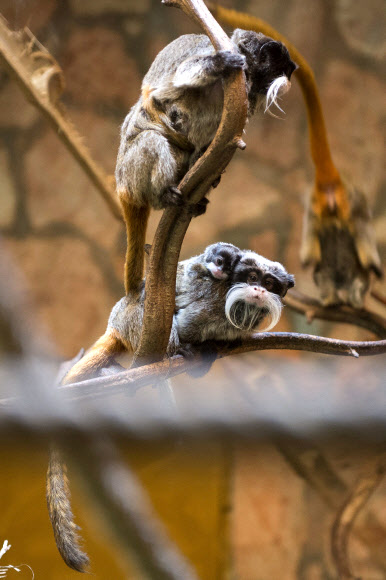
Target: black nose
293,67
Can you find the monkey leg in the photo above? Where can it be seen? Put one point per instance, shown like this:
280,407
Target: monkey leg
100,355
203,70
328,293
149,171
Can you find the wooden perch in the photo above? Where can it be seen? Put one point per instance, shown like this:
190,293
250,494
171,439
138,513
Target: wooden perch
161,278
42,81
312,308
135,378
345,519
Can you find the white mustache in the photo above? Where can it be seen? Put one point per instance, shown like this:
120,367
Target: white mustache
248,315
278,87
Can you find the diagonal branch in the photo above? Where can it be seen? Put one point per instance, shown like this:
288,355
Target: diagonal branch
312,308
42,81
161,278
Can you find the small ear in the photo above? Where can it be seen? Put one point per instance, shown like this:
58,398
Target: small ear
290,281
271,49
147,248
290,284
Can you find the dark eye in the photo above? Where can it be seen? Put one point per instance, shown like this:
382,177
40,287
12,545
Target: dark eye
268,284
252,278
219,261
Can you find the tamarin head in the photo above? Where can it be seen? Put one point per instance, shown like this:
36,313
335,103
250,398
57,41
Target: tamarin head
269,66
255,296
220,259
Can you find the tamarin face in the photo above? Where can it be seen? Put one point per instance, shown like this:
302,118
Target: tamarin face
269,65
257,287
220,259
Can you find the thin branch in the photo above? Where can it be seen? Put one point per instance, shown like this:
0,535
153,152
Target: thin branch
42,81
312,308
161,278
378,296
125,508
136,378
344,521
309,462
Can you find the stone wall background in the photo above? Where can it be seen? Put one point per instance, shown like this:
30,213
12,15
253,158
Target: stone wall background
71,250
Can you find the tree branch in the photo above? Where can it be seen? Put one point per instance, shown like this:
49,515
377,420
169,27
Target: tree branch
42,81
344,521
312,308
378,296
136,378
161,277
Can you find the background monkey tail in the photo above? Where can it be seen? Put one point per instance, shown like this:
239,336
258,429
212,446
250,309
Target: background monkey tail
62,520
100,355
136,219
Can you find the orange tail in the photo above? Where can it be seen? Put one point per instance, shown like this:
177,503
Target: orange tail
136,219
100,355
326,172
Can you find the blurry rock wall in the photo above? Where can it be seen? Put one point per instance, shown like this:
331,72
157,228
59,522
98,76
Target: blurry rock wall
59,230
70,248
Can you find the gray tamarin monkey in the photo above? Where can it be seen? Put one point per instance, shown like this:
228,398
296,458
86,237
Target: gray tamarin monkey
222,294
249,300
176,118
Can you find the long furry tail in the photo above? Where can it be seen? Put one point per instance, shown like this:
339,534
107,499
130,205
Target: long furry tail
99,356
59,508
136,219
57,489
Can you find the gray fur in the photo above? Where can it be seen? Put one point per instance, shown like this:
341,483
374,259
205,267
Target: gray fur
343,252
201,303
180,109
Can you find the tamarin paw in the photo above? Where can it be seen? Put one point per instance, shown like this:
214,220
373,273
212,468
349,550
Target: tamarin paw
199,208
172,196
225,61
208,351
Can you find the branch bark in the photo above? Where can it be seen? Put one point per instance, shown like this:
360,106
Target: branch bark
161,278
151,373
42,81
312,308
344,521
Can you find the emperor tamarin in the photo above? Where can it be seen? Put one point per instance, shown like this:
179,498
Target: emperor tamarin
176,118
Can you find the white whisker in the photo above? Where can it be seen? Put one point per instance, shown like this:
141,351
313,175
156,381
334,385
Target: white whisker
277,88
246,315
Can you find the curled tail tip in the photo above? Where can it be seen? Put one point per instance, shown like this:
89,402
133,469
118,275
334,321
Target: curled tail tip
66,536
77,560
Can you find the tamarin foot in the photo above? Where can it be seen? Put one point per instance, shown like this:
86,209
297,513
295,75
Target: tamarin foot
112,369
216,182
199,208
172,196
207,352
224,61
